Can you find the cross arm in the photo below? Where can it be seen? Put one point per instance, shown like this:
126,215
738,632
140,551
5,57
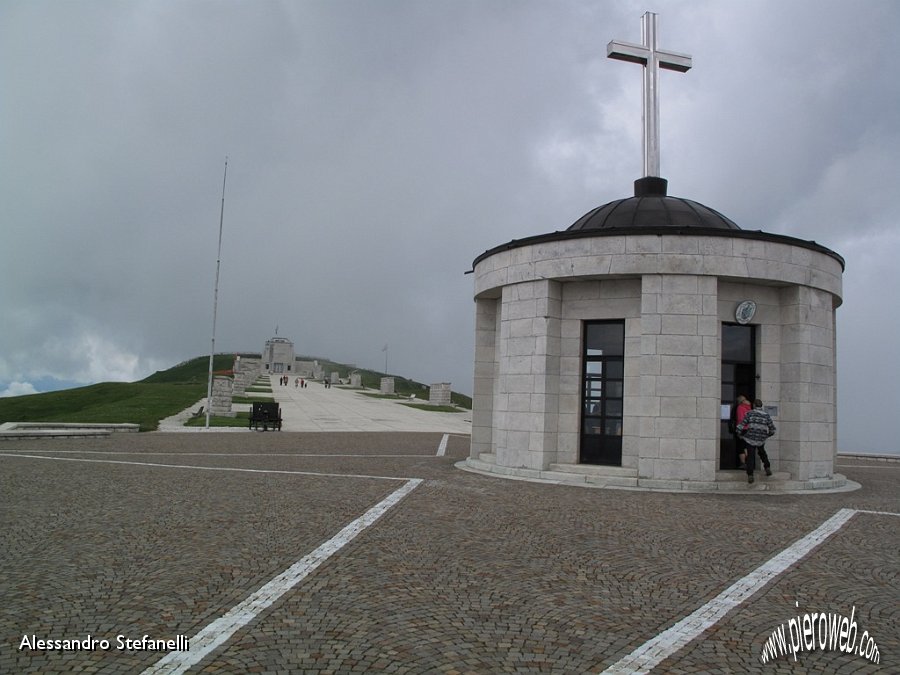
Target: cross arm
627,51
674,61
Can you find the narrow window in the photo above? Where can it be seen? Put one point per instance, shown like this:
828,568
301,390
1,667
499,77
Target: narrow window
603,379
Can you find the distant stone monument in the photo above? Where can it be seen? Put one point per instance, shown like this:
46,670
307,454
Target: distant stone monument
245,370
355,380
278,356
305,369
222,389
387,385
439,394
335,377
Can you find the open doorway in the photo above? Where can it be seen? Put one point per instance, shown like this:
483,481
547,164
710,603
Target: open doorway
738,377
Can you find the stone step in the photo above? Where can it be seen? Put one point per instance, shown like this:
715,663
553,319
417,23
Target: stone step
18,430
596,470
558,474
740,476
619,477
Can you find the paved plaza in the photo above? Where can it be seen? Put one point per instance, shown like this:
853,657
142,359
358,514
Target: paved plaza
317,408
344,552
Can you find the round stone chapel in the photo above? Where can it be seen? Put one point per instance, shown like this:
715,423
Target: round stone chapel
611,353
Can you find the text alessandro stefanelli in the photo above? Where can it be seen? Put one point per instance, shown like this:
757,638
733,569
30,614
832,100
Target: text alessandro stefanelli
90,644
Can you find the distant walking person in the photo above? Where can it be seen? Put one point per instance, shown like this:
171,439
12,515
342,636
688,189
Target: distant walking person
755,428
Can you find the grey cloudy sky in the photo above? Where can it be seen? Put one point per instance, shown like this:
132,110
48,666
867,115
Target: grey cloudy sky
375,148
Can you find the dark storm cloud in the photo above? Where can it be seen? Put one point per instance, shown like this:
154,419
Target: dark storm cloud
376,148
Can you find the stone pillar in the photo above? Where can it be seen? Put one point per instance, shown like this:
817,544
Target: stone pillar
355,380
806,421
439,394
526,403
335,378
487,319
679,375
246,371
222,389
387,385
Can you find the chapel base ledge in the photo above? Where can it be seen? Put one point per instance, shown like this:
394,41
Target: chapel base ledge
614,477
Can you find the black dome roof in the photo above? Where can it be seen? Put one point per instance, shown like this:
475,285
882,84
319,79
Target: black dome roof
651,207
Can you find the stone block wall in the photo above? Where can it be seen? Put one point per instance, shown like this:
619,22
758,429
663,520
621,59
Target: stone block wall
526,401
807,412
246,370
678,406
613,299
439,394
674,292
222,389
305,369
487,319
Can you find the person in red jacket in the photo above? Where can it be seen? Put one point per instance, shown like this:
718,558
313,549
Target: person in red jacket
740,410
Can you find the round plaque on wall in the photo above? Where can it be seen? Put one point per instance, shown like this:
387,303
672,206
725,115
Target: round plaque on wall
745,311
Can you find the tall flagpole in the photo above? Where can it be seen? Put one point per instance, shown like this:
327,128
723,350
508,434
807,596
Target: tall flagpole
212,350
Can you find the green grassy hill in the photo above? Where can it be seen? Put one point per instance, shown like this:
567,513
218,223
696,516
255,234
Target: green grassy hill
162,394
145,403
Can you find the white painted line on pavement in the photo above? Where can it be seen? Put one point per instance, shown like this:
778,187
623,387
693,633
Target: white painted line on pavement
657,649
15,452
442,448
207,468
219,631
884,465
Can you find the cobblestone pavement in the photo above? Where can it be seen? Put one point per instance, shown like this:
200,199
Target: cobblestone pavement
467,574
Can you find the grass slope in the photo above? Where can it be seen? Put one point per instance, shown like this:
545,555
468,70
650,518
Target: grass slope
112,402
145,403
160,395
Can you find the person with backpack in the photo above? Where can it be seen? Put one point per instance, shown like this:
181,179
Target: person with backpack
755,429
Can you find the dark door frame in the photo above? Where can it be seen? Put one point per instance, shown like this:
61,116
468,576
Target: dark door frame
602,398
738,376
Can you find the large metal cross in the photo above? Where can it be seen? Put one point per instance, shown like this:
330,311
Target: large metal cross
652,58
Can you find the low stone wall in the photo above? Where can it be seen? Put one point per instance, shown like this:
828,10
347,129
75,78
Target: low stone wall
305,369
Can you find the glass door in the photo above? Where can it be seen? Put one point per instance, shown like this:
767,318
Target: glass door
738,377
603,379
